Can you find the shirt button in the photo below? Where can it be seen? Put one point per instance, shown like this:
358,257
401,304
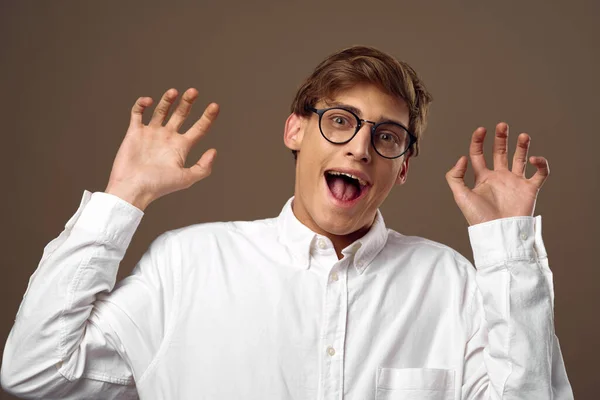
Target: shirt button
331,351
321,243
334,276
523,236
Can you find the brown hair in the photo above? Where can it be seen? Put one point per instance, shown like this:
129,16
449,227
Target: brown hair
361,64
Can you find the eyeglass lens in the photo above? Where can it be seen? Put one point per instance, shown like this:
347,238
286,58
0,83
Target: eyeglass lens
339,125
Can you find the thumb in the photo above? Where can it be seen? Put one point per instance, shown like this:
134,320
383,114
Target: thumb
203,166
456,176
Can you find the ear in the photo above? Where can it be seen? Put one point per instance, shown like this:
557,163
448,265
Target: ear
403,173
294,132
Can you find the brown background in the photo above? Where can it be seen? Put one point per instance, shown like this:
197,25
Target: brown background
70,72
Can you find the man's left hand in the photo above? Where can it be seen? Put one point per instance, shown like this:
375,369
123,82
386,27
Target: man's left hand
498,193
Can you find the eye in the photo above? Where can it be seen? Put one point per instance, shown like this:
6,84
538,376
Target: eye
340,120
388,137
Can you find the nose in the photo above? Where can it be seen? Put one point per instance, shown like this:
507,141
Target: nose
359,147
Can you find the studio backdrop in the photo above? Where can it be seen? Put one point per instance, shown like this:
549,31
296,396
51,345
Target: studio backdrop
71,71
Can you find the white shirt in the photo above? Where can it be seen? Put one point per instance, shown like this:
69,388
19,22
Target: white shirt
265,310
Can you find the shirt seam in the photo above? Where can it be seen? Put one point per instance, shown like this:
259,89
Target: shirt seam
509,331
104,377
100,239
97,376
549,299
505,262
472,295
472,301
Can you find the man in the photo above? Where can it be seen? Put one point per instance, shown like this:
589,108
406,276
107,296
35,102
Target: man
322,302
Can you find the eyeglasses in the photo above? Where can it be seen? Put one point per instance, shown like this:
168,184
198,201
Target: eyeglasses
339,126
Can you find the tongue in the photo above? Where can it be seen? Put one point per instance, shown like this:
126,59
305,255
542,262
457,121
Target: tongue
342,190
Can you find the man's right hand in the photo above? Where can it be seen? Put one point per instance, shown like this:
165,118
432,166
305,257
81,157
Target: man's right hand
151,160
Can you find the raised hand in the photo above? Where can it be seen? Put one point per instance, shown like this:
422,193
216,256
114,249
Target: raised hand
498,193
150,162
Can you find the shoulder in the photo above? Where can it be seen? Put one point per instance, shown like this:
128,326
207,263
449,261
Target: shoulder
427,251
207,233
442,269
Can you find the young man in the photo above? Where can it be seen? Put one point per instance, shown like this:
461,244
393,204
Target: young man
321,302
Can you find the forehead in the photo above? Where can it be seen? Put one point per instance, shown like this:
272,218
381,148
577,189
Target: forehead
370,102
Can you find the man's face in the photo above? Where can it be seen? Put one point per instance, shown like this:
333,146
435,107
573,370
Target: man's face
325,201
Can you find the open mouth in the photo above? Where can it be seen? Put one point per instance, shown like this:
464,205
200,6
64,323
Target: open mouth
345,187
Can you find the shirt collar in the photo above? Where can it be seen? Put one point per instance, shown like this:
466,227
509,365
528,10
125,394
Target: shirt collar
298,238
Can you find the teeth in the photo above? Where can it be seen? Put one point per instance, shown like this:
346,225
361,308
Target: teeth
360,181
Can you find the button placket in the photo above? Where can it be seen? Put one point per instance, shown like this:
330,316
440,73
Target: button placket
333,333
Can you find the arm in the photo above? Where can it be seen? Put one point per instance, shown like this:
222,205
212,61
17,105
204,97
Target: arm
71,325
512,351
49,347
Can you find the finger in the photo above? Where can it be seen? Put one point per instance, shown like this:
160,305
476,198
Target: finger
137,110
501,147
199,129
476,150
456,177
183,109
519,163
543,170
162,109
202,168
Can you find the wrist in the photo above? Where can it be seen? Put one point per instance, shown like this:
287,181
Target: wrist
131,195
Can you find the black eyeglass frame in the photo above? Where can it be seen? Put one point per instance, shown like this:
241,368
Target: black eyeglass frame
359,124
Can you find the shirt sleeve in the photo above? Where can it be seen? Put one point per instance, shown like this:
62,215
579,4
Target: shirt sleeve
61,344
513,351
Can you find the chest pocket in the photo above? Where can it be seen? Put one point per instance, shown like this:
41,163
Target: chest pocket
414,384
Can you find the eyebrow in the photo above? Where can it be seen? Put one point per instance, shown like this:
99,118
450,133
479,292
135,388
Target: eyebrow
359,113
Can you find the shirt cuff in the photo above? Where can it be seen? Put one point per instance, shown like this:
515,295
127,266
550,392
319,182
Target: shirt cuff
495,242
107,215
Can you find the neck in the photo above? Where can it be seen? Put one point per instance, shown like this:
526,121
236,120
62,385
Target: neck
340,242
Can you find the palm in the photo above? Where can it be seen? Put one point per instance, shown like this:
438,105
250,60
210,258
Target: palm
498,193
151,159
